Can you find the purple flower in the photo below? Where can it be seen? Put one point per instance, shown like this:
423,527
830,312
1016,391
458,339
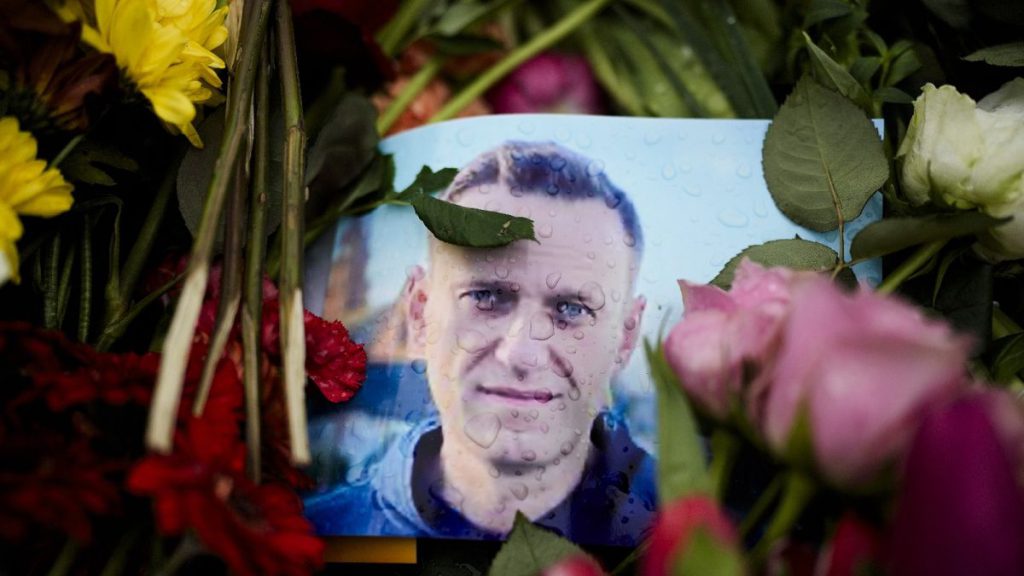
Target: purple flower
961,509
550,82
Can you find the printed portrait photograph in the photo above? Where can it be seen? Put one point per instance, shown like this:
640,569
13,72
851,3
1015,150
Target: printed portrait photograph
513,379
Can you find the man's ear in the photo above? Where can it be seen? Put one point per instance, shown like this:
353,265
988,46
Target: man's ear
631,329
415,294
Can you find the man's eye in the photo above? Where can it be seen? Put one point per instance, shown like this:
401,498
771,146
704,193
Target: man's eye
572,310
482,299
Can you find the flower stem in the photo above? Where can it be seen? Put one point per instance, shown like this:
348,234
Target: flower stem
409,93
724,449
85,301
798,491
65,560
390,37
64,287
252,309
910,266
178,343
293,339
50,285
761,506
539,43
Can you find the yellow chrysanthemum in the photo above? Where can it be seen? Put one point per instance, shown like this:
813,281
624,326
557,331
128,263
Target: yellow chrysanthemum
164,46
27,187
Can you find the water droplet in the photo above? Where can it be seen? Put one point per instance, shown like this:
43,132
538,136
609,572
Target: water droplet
685,168
668,171
611,264
566,448
692,191
552,280
630,323
520,491
514,413
419,366
578,334
562,367
561,406
652,138
464,137
608,240
733,218
515,287
494,472
552,189
542,326
501,272
470,340
583,141
613,200
557,163
529,455
587,238
761,209
483,429
557,461
592,295
526,127
540,473
574,393
718,139
591,255
616,296
545,231
545,428
744,171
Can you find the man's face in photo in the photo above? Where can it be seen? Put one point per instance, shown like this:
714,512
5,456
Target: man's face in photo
522,342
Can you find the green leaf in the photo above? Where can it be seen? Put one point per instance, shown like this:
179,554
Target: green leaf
682,469
794,253
894,234
893,95
470,227
462,15
903,65
428,182
864,68
530,549
1007,357
707,556
90,163
832,75
344,147
465,44
822,157
1010,55
821,10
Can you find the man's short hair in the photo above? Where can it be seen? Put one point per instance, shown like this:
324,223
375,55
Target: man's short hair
550,169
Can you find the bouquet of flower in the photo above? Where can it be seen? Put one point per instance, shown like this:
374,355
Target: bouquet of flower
162,171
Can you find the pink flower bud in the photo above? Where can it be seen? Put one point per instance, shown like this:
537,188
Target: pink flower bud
574,566
549,82
677,524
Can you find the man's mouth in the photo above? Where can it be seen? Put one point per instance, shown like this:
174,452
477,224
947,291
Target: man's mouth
540,396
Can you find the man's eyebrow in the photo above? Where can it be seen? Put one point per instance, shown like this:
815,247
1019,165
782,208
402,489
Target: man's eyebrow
480,283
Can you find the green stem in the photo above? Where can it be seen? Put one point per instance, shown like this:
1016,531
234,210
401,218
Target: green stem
798,492
187,549
252,311
178,343
761,506
909,266
390,37
536,45
409,93
51,288
65,560
118,325
115,564
725,447
85,300
64,289
63,154
293,340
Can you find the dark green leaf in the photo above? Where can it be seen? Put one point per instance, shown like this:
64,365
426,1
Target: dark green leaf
902,66
894,234
864,68
956,13
682,469
821,10
89,163
796,253
459,16
465,44
1007,357
822,156
1011,55
470,227
530,549
893,95
197,168
428,182
832,75
705,555
344,147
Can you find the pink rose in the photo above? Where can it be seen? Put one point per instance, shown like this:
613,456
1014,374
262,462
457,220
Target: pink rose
961,506
857,372
725,337
675,528
549,82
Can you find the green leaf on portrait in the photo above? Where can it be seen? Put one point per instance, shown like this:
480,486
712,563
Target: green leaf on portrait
894,234
822,157
795,253
832,75
1009,55
1007,357
427,182
707,556
91,162
470,227
530,549
682,469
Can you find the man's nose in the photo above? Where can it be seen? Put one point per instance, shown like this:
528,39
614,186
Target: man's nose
524,347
